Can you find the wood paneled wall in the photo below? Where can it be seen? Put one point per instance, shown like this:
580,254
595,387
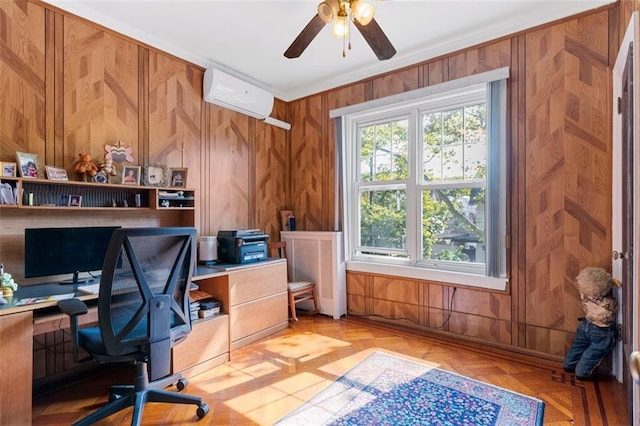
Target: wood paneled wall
69,86
560,183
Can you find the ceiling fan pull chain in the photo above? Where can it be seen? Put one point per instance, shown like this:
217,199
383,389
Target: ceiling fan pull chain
350,19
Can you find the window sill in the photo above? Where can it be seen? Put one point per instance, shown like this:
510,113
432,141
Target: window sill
453,278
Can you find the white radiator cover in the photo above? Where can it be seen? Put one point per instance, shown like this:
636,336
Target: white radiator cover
317,256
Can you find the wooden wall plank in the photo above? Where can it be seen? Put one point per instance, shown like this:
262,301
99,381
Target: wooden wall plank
229,185
100,93
567,171
307,163
174,116
270,176
175,94
22,80
396,82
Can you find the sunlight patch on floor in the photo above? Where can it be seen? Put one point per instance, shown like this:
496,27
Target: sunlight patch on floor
304,346
270,403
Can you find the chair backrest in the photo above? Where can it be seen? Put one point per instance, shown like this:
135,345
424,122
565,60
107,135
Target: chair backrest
277,249
143,304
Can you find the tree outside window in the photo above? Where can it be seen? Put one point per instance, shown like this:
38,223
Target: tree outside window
421,183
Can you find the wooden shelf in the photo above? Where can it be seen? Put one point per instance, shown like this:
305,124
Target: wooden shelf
44,194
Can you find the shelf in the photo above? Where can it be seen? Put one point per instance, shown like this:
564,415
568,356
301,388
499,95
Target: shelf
45,194
176,198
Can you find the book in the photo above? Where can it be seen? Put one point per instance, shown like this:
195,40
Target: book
284,218
199,295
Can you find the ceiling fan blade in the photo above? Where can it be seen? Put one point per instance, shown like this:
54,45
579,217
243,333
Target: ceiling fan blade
376,39
305,37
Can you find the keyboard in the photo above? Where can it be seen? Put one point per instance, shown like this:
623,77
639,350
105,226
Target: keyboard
89,288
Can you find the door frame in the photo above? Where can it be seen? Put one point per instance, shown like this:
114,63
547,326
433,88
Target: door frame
631,38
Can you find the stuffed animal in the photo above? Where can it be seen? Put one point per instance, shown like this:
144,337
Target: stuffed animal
7,284
597,331
108,169
84,167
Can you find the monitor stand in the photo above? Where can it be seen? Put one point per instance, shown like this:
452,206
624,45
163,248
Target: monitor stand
77,280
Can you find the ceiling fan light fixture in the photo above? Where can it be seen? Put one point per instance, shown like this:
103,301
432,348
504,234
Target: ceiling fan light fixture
341,27
328,9
362,11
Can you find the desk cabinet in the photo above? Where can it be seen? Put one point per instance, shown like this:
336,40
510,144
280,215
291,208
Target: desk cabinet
254,296
257,303
206,346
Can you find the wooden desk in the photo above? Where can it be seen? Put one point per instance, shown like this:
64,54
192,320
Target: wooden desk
254,304
16,338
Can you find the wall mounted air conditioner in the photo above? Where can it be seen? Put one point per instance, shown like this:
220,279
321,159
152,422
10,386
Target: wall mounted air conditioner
230,92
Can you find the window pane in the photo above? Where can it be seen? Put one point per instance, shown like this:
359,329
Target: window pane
453,225
455,144
384,151
383,219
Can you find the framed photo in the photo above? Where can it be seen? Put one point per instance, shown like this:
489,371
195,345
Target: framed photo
56,173
131,175
29,165
75,200
154,175
178,177
8,169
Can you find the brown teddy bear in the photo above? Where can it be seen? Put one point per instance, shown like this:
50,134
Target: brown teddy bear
597,331
84,167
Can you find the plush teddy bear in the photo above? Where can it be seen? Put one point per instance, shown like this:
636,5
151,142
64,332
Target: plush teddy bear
597,331
84,167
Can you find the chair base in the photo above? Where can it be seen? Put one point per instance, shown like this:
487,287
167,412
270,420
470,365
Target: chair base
301,295
124,396
304,313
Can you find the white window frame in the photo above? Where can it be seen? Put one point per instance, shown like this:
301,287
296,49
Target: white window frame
413,104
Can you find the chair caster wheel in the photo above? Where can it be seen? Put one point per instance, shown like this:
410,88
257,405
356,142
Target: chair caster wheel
202,410
182,383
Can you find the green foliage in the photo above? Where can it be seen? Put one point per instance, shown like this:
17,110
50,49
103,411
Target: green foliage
383,219
453,255
454,149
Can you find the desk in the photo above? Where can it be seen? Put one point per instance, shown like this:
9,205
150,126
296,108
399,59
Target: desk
254,304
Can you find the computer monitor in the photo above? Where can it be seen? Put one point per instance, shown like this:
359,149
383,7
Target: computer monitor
58,251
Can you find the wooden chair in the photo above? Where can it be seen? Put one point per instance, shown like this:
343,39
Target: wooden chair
298,291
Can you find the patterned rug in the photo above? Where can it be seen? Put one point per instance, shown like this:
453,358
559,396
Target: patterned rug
387,390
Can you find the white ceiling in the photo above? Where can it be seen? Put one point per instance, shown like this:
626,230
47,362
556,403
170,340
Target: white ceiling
248,38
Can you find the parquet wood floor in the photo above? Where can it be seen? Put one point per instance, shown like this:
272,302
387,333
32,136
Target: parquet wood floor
268,379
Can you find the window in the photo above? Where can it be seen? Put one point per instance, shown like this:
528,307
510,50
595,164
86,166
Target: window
424,185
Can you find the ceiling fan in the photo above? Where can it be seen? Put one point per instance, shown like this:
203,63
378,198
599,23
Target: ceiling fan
343,13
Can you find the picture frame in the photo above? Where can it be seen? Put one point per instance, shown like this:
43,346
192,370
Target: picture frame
8,169
56,173
131,175
75,201
178,177
154,175
29,165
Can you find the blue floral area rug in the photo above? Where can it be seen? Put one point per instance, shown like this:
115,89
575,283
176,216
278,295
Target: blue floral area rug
387,390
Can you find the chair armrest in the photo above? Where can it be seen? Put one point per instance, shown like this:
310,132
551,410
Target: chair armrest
74,308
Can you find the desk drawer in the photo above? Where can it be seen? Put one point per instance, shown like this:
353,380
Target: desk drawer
255,316
255,283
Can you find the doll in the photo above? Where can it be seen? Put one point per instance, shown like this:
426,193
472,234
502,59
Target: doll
596,333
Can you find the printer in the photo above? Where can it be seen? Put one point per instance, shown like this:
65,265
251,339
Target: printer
242,246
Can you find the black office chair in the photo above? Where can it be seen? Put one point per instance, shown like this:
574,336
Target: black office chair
143,311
